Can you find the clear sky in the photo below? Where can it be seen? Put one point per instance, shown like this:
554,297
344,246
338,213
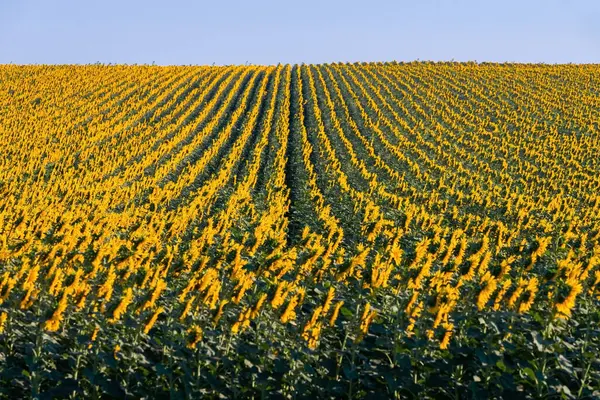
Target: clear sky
269,32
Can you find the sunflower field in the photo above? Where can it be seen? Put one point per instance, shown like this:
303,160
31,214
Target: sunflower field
367,230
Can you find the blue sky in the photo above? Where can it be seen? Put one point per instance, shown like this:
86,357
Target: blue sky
269,32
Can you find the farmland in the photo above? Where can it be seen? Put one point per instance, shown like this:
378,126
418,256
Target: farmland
389,230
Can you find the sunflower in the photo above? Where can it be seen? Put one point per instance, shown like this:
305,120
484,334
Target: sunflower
565,306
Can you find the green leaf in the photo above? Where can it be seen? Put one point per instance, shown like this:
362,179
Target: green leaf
500,364
537,340
346,312
565,364
350,373
531,374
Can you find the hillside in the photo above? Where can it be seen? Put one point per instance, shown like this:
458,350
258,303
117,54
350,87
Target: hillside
426,230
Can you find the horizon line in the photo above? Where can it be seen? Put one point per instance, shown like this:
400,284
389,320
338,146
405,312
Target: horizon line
247,64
